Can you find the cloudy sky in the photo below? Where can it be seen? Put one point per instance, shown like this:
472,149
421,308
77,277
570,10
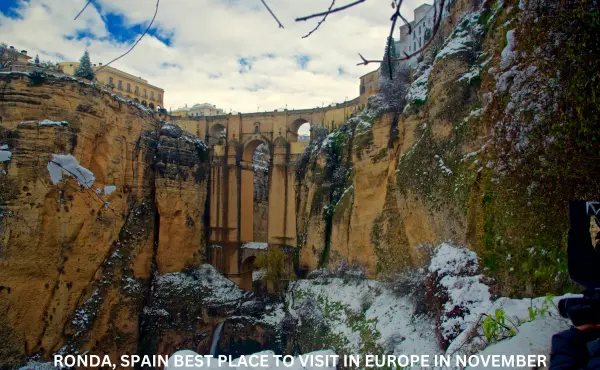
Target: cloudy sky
225,52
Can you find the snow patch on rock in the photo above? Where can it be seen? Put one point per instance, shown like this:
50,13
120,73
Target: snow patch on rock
67,164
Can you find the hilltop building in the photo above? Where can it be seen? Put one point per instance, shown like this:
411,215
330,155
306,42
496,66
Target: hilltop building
422,30
369,84
198,110
123,83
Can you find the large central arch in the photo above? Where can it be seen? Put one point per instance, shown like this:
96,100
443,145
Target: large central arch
247,189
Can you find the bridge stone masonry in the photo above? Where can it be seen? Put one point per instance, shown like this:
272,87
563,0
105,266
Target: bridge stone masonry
233,139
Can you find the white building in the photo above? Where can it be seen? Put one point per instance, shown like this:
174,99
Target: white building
198,110
422,30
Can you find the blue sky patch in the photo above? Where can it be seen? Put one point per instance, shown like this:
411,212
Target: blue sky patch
10,8
123,32
302,60
170,65
245,65
81,34
340,71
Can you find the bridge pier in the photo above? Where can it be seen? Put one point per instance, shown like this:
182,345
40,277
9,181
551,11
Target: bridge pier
231,217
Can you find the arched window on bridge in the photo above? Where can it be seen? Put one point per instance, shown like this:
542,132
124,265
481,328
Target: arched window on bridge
300,131
217,134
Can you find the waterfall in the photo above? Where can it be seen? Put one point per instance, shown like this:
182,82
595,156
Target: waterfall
215,341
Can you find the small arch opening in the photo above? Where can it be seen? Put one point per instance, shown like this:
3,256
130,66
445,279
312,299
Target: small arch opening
217,134
304,132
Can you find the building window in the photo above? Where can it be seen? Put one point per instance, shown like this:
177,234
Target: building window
110,81
151,95
159,97
256,129
136,90
120,86
128,87
144,94
415,46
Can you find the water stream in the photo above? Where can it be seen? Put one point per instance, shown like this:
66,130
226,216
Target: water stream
216,337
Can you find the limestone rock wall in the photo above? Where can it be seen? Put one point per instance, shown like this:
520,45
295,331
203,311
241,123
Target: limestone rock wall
480,154
76,262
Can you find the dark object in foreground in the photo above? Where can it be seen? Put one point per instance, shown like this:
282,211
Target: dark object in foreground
584,261
579,347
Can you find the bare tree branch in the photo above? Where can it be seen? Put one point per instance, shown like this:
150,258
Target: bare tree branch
273,14
321,21
436,25
390,37
329,11
135,44
81,11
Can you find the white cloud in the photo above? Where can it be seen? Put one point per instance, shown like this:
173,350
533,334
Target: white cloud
208,38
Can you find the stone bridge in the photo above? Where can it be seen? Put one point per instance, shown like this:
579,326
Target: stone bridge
233,140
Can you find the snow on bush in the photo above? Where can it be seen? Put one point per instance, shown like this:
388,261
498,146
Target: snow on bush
388,318
359,315
464,294
67,164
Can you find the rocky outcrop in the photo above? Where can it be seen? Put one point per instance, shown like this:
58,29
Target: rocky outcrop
199,307
99,197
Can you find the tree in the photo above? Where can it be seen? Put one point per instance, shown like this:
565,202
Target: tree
36,60
385,71
8,56
274,266
85,70
48,65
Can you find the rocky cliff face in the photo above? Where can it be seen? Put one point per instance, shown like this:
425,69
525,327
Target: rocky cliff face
93,190
490,144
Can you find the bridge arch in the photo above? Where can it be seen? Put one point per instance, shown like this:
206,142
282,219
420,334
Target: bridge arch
297,127
214,133
249,193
